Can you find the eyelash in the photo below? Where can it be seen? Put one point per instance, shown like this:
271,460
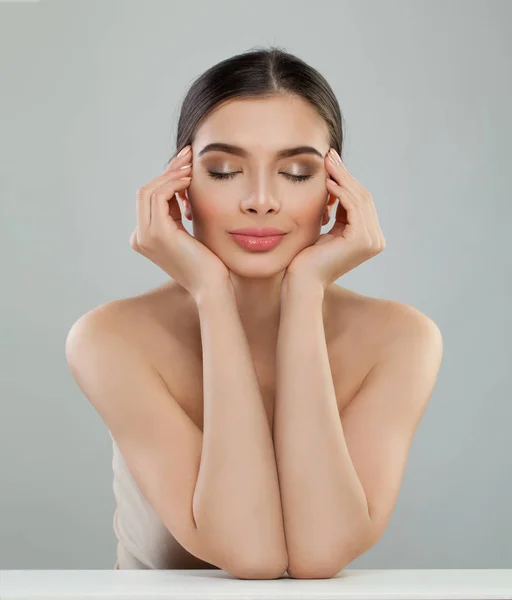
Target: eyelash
294,178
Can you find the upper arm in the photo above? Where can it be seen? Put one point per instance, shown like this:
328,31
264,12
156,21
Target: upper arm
159,442
381,420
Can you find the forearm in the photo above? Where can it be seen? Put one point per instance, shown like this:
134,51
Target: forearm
237,503
323,501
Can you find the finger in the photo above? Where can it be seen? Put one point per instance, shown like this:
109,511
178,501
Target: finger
144,195
143,210
175,164
133,240
364,200
377,232
355,215
160,214
342,177
360,194
182,157
172,171
174,176
371,220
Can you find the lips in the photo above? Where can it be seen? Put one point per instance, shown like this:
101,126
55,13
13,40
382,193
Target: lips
257,242
259,231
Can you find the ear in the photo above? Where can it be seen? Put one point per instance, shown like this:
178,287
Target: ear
183,196
328,208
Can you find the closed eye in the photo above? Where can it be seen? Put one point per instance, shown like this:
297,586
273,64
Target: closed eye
294,178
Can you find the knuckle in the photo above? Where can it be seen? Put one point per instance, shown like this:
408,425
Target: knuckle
367,244
377,247
162,193
158,196
145,242
133,240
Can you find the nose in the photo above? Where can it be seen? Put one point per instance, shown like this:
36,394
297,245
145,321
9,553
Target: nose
260,199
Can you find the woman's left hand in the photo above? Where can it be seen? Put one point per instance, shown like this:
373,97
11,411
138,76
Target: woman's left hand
354,238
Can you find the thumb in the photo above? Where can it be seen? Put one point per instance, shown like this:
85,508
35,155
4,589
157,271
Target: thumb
175,213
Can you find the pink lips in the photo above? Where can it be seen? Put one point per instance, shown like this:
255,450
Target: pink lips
251,242
259,231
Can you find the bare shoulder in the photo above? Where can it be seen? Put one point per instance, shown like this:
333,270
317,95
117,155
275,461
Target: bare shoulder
140,319
402,323
382,324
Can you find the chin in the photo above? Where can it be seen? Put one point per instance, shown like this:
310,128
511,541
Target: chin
257,265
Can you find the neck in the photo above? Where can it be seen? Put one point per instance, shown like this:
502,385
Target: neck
259,305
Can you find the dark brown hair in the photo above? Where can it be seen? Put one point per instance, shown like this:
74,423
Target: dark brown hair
260,72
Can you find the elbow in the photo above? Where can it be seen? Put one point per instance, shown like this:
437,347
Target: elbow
258,569
255,572
322,569
329,564
258,563
250,562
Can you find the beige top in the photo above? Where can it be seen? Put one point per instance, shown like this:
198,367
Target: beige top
143,541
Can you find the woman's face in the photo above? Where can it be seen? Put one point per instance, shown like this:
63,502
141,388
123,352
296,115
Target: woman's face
261,190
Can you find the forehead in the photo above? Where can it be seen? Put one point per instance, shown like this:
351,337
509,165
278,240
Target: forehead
264,124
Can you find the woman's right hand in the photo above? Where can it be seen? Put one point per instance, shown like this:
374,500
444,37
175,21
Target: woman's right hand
161,237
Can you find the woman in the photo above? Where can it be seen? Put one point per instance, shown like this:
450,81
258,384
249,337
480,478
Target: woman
261,414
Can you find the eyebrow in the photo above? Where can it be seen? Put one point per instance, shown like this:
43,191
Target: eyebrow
237,151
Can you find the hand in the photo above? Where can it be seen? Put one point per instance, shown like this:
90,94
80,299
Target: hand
354,238
161,236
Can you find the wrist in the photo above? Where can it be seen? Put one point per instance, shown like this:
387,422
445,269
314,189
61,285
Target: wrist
221,290
299,285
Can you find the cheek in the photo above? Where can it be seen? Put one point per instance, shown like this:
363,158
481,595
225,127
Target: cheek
311,210
207,210
205,205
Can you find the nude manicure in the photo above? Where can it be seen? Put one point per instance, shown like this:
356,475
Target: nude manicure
184,151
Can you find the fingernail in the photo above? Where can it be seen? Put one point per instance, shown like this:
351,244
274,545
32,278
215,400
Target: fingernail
336,156
184,151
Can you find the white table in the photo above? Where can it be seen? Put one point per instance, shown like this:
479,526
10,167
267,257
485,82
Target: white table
361,584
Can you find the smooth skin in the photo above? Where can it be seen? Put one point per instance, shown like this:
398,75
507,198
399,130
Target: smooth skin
230,491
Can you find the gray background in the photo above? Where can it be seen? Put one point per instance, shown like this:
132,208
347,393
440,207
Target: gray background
89,103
